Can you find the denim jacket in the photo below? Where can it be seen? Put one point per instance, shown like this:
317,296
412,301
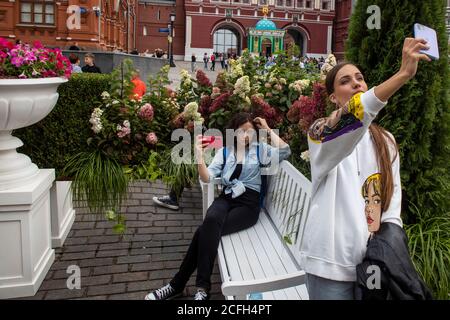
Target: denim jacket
250,176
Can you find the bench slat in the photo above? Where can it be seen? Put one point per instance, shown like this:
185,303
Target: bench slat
263,258
281,251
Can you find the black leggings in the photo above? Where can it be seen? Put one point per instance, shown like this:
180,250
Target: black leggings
224,216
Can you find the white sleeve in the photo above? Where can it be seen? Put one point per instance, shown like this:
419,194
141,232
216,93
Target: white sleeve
333,138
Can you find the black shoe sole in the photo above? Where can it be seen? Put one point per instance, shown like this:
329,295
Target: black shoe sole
162,204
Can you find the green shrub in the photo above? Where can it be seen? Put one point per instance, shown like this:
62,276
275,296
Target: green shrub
429,243
418,115
63,133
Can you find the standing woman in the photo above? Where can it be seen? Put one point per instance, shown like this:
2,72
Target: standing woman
236,209
346,148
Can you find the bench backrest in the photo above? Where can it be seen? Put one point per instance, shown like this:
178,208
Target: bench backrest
287,202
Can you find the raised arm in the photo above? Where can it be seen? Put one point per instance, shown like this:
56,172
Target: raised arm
333,138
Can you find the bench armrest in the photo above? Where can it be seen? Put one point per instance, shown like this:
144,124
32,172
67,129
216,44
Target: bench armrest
208,192
240,288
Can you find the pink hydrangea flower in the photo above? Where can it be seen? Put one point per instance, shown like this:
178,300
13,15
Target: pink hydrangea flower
146,112
125,130
151,138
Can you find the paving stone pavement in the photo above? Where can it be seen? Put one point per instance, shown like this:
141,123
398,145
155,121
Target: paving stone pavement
174,73
128,266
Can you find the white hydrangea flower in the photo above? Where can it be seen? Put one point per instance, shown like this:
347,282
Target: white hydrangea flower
242,87
305,155
236,70
95,120
105,95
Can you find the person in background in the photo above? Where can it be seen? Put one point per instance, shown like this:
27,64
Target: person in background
139,86
222,60
90,66
193,60
75,47
205,60
213,62
75,62
225,62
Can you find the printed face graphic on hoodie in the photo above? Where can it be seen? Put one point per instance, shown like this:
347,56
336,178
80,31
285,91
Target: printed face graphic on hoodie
371,192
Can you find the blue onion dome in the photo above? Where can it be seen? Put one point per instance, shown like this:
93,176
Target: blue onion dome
265,24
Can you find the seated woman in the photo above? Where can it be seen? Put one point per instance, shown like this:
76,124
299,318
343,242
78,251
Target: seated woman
236,209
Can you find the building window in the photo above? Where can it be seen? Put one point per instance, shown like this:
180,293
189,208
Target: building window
246,1
300,3
288,3
308,4
263,2
144,31
279,3
326,4
225,41
37,12
159,15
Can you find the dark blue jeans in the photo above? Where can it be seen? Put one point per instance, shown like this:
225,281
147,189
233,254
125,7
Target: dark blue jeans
224,216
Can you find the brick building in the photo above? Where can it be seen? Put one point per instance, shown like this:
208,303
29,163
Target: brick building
344,9
222,25
317,26
103,24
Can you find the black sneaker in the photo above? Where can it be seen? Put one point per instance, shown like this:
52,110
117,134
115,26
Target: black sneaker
165,293
201,295
167,202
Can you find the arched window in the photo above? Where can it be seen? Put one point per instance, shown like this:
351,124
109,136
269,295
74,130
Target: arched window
226,41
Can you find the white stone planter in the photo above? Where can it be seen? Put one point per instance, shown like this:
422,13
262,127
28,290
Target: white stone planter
62,212
26,253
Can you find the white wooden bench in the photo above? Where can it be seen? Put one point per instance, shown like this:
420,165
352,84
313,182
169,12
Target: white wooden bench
259,259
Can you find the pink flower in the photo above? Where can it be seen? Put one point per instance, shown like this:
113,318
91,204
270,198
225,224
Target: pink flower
5,44
125,130
38,45
17,61
190,126
151,138
178,122
146,112
219,102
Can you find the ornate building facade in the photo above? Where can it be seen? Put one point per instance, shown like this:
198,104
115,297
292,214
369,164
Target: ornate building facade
94,24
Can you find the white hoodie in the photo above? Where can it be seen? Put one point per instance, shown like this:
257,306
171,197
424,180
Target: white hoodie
342,158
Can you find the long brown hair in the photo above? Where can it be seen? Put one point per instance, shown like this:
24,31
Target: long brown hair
381,139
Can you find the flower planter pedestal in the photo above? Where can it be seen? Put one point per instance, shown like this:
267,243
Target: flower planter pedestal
25,237
62,212
26,252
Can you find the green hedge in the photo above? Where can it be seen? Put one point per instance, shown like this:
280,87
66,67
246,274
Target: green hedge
418,115
63,133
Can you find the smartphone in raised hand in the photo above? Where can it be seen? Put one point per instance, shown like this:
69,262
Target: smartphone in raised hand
429,34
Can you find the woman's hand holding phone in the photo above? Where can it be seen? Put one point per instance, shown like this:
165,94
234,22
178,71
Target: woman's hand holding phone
411,56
